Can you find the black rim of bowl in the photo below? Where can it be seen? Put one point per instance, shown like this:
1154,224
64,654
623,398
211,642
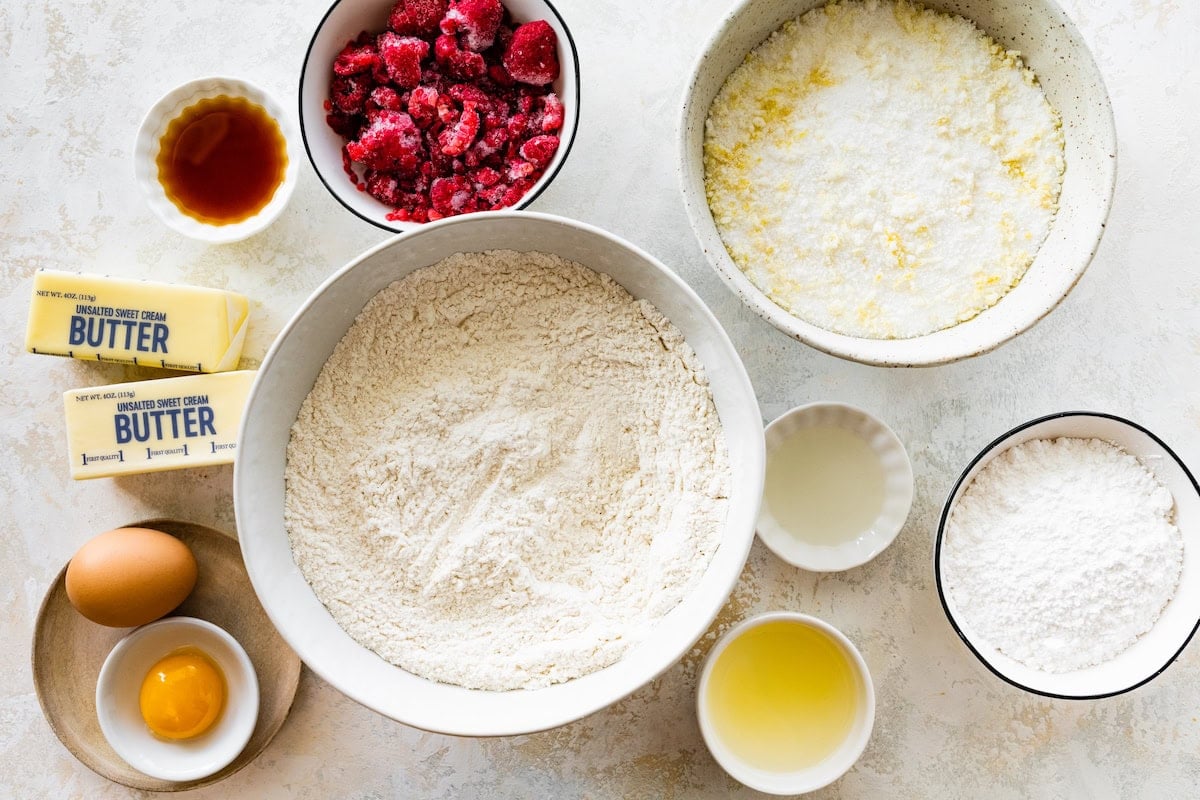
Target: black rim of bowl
545,180
937,552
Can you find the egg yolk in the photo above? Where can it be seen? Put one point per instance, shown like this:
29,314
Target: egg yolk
182,695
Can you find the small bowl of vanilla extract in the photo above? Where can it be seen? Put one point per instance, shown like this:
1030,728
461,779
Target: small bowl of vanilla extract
215,159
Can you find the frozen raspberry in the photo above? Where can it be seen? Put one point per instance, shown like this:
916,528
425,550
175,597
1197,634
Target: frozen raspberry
417,17
484,177
344,125
492,196
540,150
462,64
451,196
401,56
500,75
515,192
391,142
384,187
447,111
532,55
465,92
455,139
386,97
422,105
518,169
475,20
517,124
553,113
349,93
355,58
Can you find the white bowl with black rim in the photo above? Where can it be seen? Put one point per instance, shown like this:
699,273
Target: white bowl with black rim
1050,44
1154,650
343,22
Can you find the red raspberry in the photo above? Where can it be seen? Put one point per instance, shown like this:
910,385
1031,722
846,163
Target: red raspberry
518,169
447,111
451,196
532,55
390,143
466,92
455,140
417,17
349,93
386,97
517,124
515,192
553,113
476,20
422,105
484,177
540,150
462,64
384,187
354,59
401,57
500,75
344,125
490,196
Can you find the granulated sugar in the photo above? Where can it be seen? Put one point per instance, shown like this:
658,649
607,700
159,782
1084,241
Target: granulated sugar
882,170
507,473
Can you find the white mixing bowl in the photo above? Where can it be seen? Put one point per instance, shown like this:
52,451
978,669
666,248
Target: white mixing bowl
1053,48
287,376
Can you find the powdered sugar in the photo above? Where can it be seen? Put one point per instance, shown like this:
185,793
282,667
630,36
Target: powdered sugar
1062,552
507,472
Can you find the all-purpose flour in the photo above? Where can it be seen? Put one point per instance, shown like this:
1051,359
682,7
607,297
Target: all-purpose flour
1062,552
506,473
882,170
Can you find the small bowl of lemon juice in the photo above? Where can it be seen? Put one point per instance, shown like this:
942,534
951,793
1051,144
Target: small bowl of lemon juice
785,703
838,489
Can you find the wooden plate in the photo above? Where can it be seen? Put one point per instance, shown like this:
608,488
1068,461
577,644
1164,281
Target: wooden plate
68,651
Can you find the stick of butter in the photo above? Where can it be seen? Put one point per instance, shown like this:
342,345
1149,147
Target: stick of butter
98,318
148,426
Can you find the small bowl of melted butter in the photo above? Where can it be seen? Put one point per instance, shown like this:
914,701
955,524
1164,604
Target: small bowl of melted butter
838,489
215,159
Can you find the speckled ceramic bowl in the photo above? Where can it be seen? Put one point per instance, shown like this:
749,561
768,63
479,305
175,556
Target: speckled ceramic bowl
1154,650
1053,48
344,20
145,158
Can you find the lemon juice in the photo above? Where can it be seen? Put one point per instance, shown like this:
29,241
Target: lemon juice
824,485
783,696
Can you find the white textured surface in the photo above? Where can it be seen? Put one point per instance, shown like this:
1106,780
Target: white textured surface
77,78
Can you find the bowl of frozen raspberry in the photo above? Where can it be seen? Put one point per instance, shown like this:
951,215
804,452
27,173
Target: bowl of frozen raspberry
415,110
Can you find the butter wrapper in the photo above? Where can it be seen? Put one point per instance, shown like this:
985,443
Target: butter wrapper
149,426
98,318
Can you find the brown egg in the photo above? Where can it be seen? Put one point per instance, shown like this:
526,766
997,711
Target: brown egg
130,576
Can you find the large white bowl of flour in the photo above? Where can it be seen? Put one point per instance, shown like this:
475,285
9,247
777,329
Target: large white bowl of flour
291,370
1050,45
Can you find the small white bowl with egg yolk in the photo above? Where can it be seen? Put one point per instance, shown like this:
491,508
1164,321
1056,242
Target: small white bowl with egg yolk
177,699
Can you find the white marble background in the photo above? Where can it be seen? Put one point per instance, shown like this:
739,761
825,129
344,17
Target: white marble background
75,78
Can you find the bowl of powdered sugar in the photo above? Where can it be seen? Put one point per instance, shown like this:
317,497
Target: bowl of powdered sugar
893,182
498,473
1068,556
